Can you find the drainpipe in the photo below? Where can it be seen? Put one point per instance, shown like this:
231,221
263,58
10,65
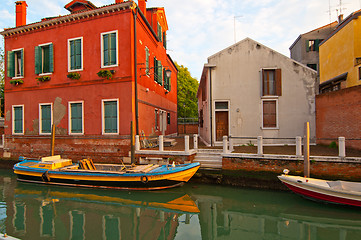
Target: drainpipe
135,13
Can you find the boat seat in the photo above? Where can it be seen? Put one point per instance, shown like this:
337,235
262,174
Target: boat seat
87,164
143,168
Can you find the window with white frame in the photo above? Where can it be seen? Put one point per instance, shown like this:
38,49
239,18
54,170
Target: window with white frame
109,48
76,116
77,224
269,113
75,54
110,116
46,118
15,63
44,58
18,119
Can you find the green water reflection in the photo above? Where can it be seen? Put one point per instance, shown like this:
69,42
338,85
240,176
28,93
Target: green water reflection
30,211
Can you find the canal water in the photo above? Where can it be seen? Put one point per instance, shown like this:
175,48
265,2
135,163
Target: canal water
194,211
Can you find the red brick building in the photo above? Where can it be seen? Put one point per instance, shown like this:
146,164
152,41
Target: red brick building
91,73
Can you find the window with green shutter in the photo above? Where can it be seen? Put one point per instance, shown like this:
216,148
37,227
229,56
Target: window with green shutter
15,63
76,117
44,59
155,69
109,41
75,54
110,109
45,118
18,119
160,33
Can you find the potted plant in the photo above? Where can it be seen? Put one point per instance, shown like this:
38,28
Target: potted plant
108,74
16,81
43,78
74,75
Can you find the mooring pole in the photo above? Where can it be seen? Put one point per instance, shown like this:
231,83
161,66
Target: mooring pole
132,149
306,150
52,142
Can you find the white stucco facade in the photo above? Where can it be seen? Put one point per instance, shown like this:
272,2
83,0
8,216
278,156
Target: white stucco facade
231,82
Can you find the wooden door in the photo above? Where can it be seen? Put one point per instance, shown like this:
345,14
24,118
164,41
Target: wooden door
221,125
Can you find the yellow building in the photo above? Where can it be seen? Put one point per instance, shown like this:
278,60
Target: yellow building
340,56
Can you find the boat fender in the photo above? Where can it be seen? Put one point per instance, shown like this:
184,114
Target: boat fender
144,179
45,177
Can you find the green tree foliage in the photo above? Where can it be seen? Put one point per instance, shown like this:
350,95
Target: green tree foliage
187,94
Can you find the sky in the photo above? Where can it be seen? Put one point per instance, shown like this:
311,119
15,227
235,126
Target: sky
201,28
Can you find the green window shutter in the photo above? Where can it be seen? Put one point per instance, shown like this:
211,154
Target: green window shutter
38,62
110,117
11,64
72,55
159,32
165,40
45,118
76,118
155,69
18,119
106,49
51,58
146,60
45,52
307,46
77,52
113,48
22,62
160,73
317,42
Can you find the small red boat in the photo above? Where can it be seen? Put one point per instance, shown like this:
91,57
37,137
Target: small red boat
339,192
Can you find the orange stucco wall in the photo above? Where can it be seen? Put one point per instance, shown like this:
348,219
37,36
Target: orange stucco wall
90,88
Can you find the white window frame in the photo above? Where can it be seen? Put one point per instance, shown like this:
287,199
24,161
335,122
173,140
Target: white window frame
15,65
82,55
40,118
269,98
104,224
102,49
103,115
13,119
69,117
147,70
42,59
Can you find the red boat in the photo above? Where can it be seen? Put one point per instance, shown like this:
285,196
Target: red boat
339,192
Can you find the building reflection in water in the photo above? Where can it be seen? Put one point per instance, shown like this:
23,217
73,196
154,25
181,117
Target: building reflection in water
191,212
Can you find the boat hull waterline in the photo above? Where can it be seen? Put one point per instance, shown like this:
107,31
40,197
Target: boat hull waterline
162,177
323,190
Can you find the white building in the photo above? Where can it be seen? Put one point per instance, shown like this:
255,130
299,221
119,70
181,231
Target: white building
250,90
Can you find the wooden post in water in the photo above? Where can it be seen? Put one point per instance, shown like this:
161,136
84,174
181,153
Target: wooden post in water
306,150
132,148
52,143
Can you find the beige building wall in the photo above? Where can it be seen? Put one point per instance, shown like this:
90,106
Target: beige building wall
236,79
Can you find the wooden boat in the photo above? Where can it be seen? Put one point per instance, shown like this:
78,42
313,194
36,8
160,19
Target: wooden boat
58,171
339,192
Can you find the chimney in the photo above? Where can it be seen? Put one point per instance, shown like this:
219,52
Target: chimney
119,1
340,18
142,4
21,13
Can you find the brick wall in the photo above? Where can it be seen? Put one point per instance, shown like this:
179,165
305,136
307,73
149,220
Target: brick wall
319,169
338,114
187,128
110,150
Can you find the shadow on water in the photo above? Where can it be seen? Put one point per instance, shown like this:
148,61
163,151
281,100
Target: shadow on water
34,211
